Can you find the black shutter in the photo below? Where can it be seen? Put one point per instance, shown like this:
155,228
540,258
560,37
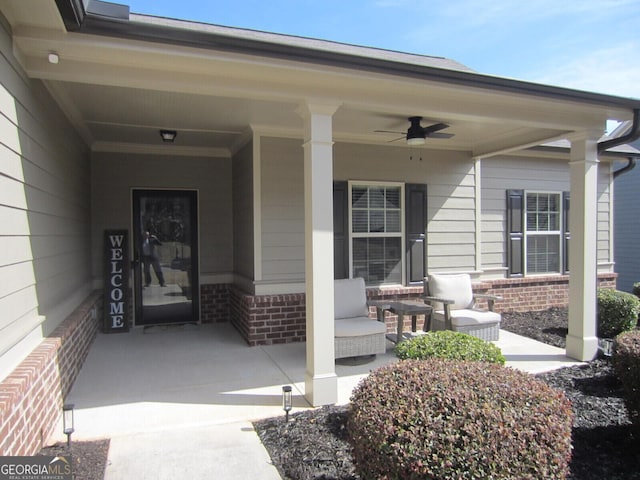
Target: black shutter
566,235
515,233
340,230
416,225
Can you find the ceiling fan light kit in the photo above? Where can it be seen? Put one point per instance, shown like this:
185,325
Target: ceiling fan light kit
415,141
417,134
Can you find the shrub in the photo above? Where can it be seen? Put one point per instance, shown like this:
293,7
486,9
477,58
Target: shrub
626,363
451,345
636,289
617,312
449,419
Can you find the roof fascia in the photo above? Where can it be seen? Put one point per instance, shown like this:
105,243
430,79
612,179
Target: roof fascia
75,12
109,19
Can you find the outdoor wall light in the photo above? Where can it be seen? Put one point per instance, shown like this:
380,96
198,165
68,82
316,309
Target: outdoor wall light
286,400
67,421
168,135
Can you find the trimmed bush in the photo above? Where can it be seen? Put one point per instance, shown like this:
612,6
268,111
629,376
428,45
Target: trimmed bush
626,363
450,345
617,312
445,419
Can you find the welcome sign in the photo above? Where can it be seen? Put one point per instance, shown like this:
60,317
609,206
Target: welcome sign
116,285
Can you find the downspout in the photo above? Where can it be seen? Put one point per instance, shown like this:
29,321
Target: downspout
631,136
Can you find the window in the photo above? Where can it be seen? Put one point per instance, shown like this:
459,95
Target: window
537,232
376,233
542,232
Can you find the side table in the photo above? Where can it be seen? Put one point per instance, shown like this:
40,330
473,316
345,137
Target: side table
402,308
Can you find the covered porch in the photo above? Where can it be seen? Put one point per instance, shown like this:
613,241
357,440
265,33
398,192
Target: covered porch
158,379
258,114
182,399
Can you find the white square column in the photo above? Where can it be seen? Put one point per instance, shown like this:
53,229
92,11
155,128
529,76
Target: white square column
321,381
582,342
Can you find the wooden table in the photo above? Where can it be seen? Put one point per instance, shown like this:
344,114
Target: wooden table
402,308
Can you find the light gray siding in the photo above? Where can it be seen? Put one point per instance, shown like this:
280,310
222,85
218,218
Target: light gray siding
450,180
282,188
45,211
243,256
540,175
627,228
114,175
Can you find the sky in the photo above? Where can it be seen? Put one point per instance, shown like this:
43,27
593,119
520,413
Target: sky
591,45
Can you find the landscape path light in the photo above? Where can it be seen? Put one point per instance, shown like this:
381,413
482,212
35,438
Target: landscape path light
67,421
286,400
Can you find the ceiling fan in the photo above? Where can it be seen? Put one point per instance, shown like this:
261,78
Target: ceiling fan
416,133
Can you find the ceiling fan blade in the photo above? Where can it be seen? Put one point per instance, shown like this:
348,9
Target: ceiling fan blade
439,135
435,128
396,139
388,131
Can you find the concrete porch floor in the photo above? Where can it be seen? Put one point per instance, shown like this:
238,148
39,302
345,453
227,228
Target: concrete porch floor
178,400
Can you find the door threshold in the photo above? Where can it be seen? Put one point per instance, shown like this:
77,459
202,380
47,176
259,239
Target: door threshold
170,327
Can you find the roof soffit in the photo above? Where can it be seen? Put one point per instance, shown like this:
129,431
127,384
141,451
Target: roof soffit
103,60
487,114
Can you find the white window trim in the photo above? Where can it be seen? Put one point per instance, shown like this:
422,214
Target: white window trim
351,184
528,233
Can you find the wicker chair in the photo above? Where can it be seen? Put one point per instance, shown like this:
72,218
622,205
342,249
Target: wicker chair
454,307
355,333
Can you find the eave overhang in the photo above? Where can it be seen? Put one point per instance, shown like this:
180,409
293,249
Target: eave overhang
108,19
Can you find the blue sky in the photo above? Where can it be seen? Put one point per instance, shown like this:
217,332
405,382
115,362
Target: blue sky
589,45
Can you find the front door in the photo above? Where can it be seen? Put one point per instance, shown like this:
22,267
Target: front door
166,257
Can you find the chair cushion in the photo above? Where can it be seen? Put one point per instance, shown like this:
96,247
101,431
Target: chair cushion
468,317
358,326
456,287
350,298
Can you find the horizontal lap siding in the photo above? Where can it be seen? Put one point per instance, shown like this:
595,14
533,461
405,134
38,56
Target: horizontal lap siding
282,185
44,206
449,177
605,245
627,228
502,173
243,256
211,177
450,181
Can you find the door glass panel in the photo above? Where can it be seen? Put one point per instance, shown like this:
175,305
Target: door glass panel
166,270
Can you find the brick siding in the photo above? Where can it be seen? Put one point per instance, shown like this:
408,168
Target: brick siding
31,397
270,319
214,303
535,293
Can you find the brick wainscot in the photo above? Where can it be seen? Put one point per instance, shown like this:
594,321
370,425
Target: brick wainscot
272,319
31,397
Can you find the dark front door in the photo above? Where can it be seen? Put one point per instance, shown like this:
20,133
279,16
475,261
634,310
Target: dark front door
166,256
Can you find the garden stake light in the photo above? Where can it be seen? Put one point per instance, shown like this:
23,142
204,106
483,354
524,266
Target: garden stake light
67,421
286,400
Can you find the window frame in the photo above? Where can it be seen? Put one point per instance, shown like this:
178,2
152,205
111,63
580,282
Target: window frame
401,235
559,233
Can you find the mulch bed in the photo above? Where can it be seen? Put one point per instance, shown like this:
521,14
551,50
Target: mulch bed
89,458
313,444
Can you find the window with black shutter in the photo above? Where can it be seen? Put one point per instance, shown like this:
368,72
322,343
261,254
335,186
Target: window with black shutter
368,233
537,232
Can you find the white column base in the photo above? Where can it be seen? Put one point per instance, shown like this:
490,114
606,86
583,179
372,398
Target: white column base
321,389
583,349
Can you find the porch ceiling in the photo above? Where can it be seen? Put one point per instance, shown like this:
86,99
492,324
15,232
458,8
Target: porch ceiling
120,92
